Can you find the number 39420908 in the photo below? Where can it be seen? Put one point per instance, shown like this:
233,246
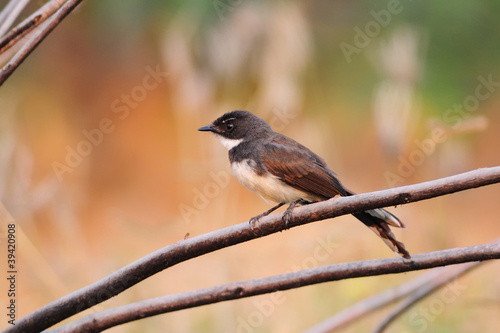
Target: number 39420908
11,247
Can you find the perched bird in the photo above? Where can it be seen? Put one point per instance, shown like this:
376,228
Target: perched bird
282,170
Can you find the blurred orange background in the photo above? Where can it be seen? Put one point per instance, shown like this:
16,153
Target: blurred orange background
101,161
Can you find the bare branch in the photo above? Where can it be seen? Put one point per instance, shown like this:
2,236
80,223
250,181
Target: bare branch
183,250
26,50
10,13
29,24
386,297
372,303
425,290
100,321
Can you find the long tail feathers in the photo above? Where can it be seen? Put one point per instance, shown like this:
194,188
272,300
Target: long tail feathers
379,220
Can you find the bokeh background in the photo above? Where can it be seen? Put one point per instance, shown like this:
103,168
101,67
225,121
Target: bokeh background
388,92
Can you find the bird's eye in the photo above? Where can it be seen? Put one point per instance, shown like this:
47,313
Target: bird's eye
230,126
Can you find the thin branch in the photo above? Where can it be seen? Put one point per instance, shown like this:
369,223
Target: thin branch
370,304
30,23
9,14
424,291
106,319
26,50
183,250
386,297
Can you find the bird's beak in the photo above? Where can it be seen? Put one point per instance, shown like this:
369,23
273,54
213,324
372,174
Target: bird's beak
208,128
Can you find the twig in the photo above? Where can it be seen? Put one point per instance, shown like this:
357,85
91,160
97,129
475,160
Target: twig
102,320
372,303
10,13
379,300
183,250
424,291
29,24
26,50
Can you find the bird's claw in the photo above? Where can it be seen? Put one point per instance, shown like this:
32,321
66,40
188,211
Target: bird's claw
287,215
287,218
253,221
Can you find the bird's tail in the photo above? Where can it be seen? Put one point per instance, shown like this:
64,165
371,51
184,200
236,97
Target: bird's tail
379,221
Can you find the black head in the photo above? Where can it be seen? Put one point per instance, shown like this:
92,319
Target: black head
238,125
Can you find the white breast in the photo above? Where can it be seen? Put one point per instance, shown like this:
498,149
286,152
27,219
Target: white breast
270,188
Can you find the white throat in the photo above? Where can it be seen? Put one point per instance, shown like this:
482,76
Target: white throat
229,143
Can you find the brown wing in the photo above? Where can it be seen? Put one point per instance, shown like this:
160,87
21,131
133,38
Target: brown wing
306,171
301,169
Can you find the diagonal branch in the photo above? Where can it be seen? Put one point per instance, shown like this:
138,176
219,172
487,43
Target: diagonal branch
411,288
183,250
26,50
424,291
370,304
10,12
29,24
106,319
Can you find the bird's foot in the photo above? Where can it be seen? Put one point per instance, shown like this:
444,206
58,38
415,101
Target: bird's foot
287,218
287,215
254,220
